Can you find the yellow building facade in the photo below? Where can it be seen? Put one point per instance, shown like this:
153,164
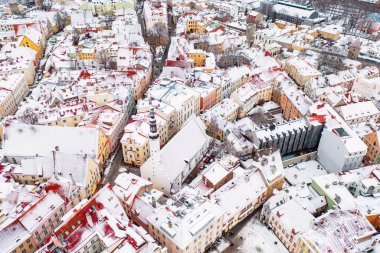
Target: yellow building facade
27,42
135,143
199,57
71,121
104,149
191,26
305,246
86,54
26,246
93,176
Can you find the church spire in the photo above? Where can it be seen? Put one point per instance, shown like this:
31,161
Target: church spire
154,139
153,133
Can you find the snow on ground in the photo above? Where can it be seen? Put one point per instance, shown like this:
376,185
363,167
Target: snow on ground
122,169
270,105
279,118
255,237
223,245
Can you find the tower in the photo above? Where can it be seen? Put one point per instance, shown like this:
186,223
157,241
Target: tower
250,33
154,141
153,170
354,49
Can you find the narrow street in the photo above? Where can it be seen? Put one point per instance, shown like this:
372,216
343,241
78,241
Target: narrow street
159,65
112,170
116,166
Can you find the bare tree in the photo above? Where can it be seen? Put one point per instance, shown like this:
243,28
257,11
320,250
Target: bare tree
192,5
232,57
76,37
213,126
112,63
39,3
158,34
101,57
330,64
29,116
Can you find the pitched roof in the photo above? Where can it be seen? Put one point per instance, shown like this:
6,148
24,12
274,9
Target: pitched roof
34,35
34,140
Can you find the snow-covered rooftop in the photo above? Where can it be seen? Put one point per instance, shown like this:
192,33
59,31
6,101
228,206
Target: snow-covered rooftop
336,191
363,109
128,185
185,215
44,208
236,194
304,172
293,217
338,230
42,140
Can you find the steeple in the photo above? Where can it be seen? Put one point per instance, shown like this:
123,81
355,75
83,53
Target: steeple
153,133
154,141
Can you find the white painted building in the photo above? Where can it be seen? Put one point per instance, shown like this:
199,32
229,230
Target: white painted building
249,188
18,60
168,168
228,7
340,148
339,231
155,11
354,113
127,27
21,141
81,17
174,92
13,89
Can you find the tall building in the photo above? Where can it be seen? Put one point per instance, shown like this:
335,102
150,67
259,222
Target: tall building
340,148
289,137
154,142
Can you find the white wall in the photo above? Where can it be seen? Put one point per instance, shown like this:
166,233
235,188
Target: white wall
331,152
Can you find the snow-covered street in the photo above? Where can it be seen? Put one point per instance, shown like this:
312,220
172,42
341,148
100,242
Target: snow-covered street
253,236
